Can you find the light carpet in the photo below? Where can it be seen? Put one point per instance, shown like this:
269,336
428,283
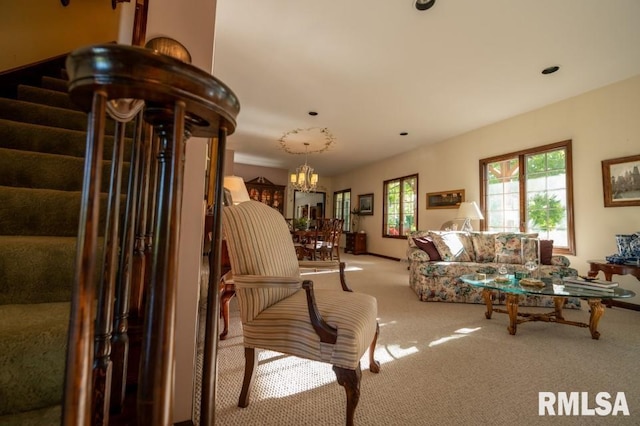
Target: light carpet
441,364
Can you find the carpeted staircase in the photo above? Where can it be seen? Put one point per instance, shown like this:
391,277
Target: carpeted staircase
42,143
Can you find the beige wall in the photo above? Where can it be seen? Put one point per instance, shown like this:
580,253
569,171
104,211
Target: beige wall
34,30
603,124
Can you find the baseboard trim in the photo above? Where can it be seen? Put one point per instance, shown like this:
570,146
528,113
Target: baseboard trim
385,257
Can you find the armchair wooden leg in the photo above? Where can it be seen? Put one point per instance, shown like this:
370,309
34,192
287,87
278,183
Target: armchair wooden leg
350,380
250,362
374,366
225,299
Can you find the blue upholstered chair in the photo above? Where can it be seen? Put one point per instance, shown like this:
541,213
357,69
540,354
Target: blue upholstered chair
283,313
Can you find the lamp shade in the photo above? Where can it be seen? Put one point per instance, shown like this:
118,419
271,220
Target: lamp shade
235,185
470,210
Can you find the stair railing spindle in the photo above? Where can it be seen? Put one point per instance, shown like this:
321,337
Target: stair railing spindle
102,366
76,408
210,358
120,339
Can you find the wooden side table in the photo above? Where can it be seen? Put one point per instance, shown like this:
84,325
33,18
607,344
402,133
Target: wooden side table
356,243
610,269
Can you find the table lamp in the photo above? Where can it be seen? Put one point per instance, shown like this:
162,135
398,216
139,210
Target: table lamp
469,211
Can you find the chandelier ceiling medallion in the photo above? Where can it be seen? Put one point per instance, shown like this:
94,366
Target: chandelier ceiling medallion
320,140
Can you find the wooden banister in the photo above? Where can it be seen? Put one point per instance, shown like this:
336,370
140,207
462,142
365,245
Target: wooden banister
180,100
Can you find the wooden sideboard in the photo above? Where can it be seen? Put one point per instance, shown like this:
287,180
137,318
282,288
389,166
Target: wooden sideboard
356,243
263,190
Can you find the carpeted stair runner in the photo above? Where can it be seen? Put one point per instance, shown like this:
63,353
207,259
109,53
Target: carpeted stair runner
42,143
52,140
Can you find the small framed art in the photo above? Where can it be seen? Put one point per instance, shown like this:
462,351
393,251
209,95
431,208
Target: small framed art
365,203
621,181
445,199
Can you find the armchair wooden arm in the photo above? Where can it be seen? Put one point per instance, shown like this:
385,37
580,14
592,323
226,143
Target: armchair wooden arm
326,333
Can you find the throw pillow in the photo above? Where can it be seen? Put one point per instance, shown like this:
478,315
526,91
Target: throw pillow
450,246
508,246
426,244
546,251
484,247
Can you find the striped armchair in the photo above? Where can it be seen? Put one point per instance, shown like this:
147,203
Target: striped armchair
330,326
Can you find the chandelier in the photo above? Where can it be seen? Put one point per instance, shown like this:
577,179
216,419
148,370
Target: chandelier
304,179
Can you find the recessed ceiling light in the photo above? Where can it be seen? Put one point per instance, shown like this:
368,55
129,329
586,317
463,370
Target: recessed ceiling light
313,113
403,133
550,70
424,4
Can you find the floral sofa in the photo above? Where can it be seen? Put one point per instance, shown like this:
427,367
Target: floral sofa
438,258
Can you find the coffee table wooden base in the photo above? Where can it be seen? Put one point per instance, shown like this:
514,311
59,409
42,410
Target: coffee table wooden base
515,317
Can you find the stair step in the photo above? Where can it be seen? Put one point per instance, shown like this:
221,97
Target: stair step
36,269
51,415
52,140
34,340
28,211
49,97
53,83
27,169
28,112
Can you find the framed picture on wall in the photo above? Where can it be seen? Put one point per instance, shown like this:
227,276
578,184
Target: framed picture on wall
365,203
621,181
445,199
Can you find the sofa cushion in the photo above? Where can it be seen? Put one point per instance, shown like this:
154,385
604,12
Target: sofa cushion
484,246
508,246
452,246
427,245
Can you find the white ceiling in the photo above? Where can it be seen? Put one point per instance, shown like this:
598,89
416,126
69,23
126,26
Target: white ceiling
375,68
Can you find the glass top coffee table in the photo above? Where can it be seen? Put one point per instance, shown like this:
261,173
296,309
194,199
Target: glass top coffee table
555,289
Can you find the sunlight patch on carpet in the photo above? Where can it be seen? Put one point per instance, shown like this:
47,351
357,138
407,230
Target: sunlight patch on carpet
282,375
393,353
462,332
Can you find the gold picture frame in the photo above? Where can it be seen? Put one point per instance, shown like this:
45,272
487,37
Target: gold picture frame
445,199
621,181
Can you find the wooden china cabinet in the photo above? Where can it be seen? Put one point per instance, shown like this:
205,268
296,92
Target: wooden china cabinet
263,190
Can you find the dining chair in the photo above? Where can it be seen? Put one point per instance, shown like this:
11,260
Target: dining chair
282,312
335,236
324,240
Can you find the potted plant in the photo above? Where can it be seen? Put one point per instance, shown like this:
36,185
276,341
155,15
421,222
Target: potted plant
301,223
355,219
